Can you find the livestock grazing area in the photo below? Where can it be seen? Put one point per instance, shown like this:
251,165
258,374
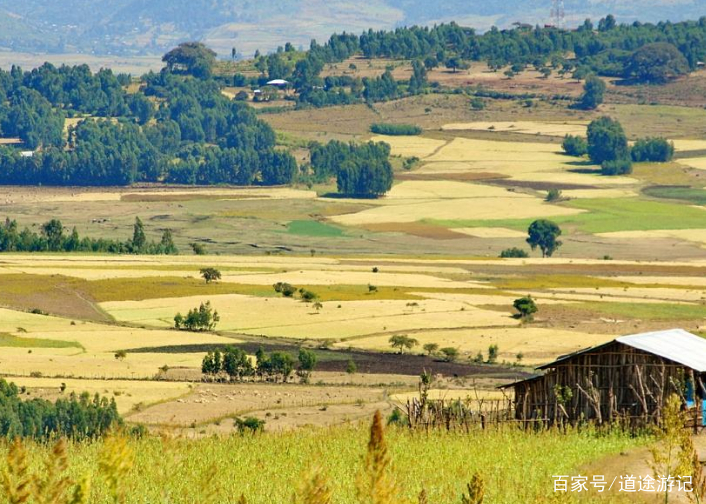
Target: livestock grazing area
421,263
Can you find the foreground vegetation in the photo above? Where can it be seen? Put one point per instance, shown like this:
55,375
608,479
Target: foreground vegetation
515,466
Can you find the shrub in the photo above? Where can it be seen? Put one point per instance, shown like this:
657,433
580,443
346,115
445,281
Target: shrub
395,129
513,252
450,353
493,354
249,424
210,275
575,145
351,367
477,103
198,248
287,290
657,150
307,295
526,308
553,195
617,167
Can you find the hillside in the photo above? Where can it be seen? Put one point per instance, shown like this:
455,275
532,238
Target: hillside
139,27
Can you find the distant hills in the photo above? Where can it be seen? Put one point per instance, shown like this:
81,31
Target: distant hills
143,27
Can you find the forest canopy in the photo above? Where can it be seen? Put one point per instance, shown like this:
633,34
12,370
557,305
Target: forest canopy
173,129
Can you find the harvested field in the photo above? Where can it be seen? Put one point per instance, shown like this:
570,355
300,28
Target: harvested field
691,235
294,319
559,129
537,345
698,163
420,229
128,395
209,402
491,232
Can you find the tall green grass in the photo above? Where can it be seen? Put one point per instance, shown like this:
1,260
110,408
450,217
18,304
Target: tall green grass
517,466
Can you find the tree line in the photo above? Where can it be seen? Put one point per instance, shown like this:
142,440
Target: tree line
51,238
234,364
641,52
76,417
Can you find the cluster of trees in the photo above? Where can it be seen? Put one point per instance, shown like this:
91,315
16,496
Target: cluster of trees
607,145
203,318
235,365
361,170
173,129
395,129
77,417
52,238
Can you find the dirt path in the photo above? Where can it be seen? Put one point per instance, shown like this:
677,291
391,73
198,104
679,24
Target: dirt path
635,462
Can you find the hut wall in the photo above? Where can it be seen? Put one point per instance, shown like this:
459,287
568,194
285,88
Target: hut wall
615,381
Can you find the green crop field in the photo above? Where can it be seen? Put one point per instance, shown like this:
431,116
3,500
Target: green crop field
313,228
516,466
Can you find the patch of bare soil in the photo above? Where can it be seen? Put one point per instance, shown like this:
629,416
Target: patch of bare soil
635,462
415,229
568,316
212,402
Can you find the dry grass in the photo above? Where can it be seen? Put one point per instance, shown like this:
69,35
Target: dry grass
294,319
537,345
558,129
127,394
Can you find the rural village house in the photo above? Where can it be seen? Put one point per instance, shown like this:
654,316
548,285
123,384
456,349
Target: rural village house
627,379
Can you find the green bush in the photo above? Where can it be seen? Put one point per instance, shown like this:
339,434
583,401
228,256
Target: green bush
575,145
395,129
617,167
513,252
657,150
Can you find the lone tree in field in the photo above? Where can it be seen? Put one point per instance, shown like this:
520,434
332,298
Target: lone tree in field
403,342
210,275
593,91
526,307
543,234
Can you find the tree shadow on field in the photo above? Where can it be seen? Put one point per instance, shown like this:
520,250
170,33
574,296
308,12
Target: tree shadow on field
584,167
